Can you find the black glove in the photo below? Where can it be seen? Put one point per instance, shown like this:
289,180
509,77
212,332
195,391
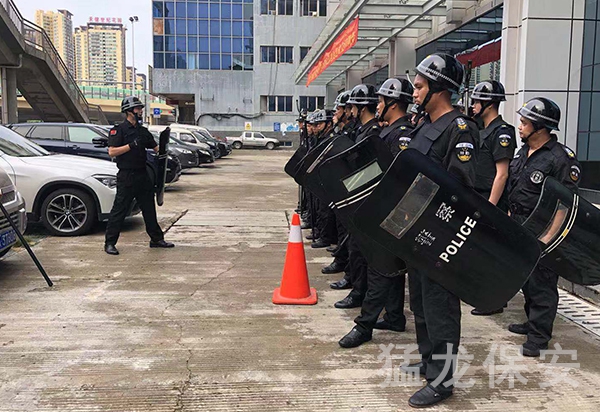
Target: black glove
139,142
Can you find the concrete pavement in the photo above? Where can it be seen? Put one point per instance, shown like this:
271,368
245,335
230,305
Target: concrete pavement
193,328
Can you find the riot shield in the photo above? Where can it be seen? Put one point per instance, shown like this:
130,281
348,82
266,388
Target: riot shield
568,227
449,232
162,160
347,179
290,166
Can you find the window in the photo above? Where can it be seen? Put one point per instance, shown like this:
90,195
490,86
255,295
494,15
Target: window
281,7
312,103
47,133
279,103
276,54
22,130
303,52
82,135
313,8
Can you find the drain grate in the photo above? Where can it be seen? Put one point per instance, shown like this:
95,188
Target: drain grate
579,311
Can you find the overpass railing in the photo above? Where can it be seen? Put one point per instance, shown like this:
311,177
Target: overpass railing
36,37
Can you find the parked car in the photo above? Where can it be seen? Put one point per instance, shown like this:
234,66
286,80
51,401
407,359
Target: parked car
68,194
224,147
202,155
84,140
185,137
14,204
253,139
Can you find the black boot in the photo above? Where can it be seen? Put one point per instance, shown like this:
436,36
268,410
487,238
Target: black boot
320,244
519,328
478,312
354,338
532,350
111,250
385,325
162,244
341,284
348,302
426,397
335,267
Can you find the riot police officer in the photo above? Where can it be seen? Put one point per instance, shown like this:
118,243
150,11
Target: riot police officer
540,156
385,289
127,143
496,149
449,139
326,225
340,252
363,101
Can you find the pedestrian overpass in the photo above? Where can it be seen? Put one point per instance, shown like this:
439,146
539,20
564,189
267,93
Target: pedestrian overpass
30,63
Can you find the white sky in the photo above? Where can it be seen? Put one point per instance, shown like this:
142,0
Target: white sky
82,10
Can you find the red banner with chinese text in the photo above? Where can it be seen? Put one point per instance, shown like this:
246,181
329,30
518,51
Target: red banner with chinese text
344,42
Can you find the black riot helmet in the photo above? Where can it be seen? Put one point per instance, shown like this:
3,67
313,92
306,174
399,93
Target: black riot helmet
397,89
129,103
489,91
363,95
341,100
542,112
442,71
322,116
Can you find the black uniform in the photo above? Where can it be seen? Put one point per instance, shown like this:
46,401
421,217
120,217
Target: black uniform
497,142
451,141
526,176
133,181
326,222
357,261
386,289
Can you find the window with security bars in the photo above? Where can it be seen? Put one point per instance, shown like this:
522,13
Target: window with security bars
276,54
314,8
312,103
279,104
279,7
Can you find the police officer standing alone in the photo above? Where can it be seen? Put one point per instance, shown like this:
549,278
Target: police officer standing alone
541,156
448,138
496,149
127,143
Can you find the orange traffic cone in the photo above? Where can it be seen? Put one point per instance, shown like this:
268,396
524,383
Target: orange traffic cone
295,289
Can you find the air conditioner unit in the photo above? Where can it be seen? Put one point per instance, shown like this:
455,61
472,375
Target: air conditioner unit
314,14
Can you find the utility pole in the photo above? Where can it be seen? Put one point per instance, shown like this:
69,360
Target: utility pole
133,20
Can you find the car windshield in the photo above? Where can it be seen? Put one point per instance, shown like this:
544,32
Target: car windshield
200,136
206,135
13,144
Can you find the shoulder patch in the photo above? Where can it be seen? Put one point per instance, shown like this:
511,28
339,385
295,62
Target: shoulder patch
460,122
575,173
113,132
402,127
569,152
403,143
505,140
464,151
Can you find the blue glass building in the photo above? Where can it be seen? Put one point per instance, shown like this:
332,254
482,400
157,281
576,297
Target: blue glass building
202,34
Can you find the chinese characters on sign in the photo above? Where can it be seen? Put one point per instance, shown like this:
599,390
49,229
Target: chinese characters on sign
109,20
503,363
445,212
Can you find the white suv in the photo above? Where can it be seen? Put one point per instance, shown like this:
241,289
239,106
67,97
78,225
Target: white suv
69,194
15,206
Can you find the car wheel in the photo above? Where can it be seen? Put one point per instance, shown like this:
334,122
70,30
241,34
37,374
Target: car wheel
68,212
270,145
237,145
217,154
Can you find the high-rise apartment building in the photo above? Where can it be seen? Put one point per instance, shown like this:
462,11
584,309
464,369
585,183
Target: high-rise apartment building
100,53
59,27
140,79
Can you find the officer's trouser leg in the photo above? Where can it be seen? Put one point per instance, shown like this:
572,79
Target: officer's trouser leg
442,317
416,306
358,270
144,194
394,306
121,206
341,256
326,223
378,293
541,297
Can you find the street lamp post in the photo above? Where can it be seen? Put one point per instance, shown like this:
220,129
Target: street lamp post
133,19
